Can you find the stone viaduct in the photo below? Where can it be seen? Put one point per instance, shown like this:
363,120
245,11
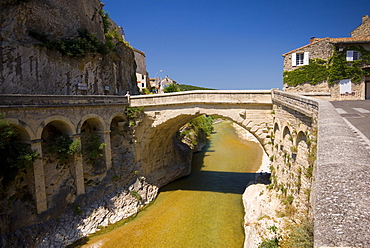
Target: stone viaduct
288,126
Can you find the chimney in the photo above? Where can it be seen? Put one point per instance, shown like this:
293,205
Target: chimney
312,39
364,18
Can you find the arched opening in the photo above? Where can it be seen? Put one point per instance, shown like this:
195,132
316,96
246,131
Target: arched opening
276,138
121,138
164,156
58,163
159,155
16,176
287,140
302,149
92,144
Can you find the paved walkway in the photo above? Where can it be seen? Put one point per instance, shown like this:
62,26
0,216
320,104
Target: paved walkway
357,116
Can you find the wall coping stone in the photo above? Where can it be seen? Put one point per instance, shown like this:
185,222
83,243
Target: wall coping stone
24,100
203,97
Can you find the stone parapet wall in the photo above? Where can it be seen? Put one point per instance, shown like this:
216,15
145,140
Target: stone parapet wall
326,91
339,191
341,188
16,101
204,97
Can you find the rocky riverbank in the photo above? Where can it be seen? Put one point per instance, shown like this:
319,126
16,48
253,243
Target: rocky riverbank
260,204
79,221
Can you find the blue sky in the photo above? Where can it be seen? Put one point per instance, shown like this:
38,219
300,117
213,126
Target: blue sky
229,44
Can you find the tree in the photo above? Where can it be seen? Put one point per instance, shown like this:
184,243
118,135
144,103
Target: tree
172,88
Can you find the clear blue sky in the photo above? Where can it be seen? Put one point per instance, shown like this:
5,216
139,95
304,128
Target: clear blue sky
229,44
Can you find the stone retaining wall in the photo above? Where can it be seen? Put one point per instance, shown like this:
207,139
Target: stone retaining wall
339,197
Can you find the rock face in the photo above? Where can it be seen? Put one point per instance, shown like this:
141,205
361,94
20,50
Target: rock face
29,67
85,216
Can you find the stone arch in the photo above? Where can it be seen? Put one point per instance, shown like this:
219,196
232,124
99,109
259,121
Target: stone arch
93,130
302,147
60,185
61,122
121,142
118,115
155,134
94,119
25,131
286,131
276,127
17,182
276,141
287,139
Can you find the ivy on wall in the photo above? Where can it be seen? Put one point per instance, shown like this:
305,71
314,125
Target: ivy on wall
332,70
316,71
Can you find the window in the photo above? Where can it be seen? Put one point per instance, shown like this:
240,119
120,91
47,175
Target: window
299,59
353,55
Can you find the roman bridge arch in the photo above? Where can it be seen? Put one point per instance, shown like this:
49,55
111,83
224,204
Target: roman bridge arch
160,157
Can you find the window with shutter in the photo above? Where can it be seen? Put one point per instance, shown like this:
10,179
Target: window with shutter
294,59
353,55
349,55
299,59
306,58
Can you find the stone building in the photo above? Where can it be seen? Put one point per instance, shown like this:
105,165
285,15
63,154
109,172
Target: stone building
141,73
352,54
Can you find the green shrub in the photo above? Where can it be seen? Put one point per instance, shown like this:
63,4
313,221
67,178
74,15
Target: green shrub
74,47
93,149
204,123
271,243
136,195
171,88
299,235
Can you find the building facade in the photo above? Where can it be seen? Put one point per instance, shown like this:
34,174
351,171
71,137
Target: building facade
141,73
337,68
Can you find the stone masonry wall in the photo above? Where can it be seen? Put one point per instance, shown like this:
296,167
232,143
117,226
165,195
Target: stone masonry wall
363,29
286,200
321,49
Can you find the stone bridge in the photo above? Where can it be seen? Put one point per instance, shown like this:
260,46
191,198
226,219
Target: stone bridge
285,125
166,113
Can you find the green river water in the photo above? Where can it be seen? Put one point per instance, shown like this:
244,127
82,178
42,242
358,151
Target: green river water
203,209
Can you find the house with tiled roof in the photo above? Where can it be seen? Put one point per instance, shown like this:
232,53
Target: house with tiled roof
331,68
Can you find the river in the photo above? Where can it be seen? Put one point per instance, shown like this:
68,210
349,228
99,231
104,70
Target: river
203,209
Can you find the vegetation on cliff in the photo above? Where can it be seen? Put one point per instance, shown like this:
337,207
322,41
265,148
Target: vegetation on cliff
196,131
85,42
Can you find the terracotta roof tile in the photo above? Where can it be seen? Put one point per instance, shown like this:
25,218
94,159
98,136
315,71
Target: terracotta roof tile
350,39
334,41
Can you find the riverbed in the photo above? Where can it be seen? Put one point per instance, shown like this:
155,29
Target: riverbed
203,209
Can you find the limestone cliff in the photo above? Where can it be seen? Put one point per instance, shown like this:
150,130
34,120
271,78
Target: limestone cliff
31,66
